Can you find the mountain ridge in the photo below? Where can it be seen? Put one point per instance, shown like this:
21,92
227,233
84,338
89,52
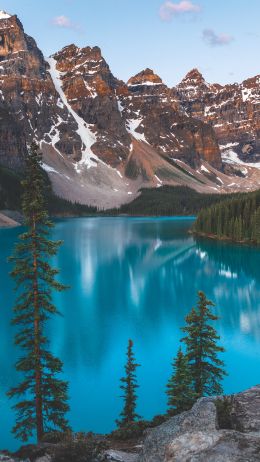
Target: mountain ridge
103,139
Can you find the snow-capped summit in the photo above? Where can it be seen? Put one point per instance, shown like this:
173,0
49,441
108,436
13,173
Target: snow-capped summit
4,15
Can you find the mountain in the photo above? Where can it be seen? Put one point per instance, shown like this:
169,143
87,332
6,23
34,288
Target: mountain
102,139
232,110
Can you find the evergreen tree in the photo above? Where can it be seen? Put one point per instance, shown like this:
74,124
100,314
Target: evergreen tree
179,388
202,350
129,386
42,394
234,218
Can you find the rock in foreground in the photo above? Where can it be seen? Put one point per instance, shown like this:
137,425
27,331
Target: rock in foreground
197,436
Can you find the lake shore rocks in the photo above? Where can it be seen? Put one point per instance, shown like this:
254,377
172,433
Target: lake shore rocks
223,429
198,435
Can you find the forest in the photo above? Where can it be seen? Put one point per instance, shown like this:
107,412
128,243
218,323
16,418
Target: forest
237,219
164,201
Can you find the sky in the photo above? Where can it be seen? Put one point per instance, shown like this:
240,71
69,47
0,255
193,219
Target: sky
219,37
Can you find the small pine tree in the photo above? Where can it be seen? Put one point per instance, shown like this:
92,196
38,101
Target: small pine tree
179,387
129,386
42,394
202,350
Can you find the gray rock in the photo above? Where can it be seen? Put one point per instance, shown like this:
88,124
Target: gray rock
194,436
119,456
218,446
201,419
4,458
46,458
245,414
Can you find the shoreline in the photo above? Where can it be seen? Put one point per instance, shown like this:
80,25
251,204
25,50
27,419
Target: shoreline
214,237
9,219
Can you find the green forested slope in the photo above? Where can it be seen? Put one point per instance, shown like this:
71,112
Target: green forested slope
168,200
237,219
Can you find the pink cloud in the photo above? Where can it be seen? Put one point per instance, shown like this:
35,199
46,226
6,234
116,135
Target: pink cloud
213,39
64,22
169,9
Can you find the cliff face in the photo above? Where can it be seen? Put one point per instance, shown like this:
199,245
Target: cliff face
154,114
29,103
103,139
112,109
232,111
90,89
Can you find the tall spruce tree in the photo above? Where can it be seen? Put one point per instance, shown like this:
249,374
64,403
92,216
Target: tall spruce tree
129,386
42,394
179,387
207,370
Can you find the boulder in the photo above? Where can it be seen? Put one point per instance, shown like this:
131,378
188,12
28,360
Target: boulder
195,436
245,415
119,456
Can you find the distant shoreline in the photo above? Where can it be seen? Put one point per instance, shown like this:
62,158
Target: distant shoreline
12,219
223,238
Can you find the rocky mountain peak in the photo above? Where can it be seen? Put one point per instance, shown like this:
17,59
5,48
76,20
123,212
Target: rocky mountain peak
193,78
87,69
19,54
73,53
146,77
86,118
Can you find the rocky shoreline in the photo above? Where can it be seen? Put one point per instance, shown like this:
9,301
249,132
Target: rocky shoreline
222,429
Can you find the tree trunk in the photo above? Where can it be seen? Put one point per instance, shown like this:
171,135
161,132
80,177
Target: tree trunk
37,352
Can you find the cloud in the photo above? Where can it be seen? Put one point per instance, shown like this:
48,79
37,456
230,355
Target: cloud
214,40
64,22
169,9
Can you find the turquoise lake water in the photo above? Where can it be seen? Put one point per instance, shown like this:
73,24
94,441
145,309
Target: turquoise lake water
134,278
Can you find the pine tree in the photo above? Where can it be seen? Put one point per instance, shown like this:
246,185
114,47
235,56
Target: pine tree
202,350
179,388
233,218
42,394
129,386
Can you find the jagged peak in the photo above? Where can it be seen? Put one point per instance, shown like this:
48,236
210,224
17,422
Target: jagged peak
73,51
194,76
94,49
71,48
4,15
145,77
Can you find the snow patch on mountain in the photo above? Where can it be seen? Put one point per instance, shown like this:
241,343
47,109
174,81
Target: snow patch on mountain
246,94
230,157
132,125
147,83
50,169
88,138
4,15
204,169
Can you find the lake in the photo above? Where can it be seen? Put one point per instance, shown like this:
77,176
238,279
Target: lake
134,278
